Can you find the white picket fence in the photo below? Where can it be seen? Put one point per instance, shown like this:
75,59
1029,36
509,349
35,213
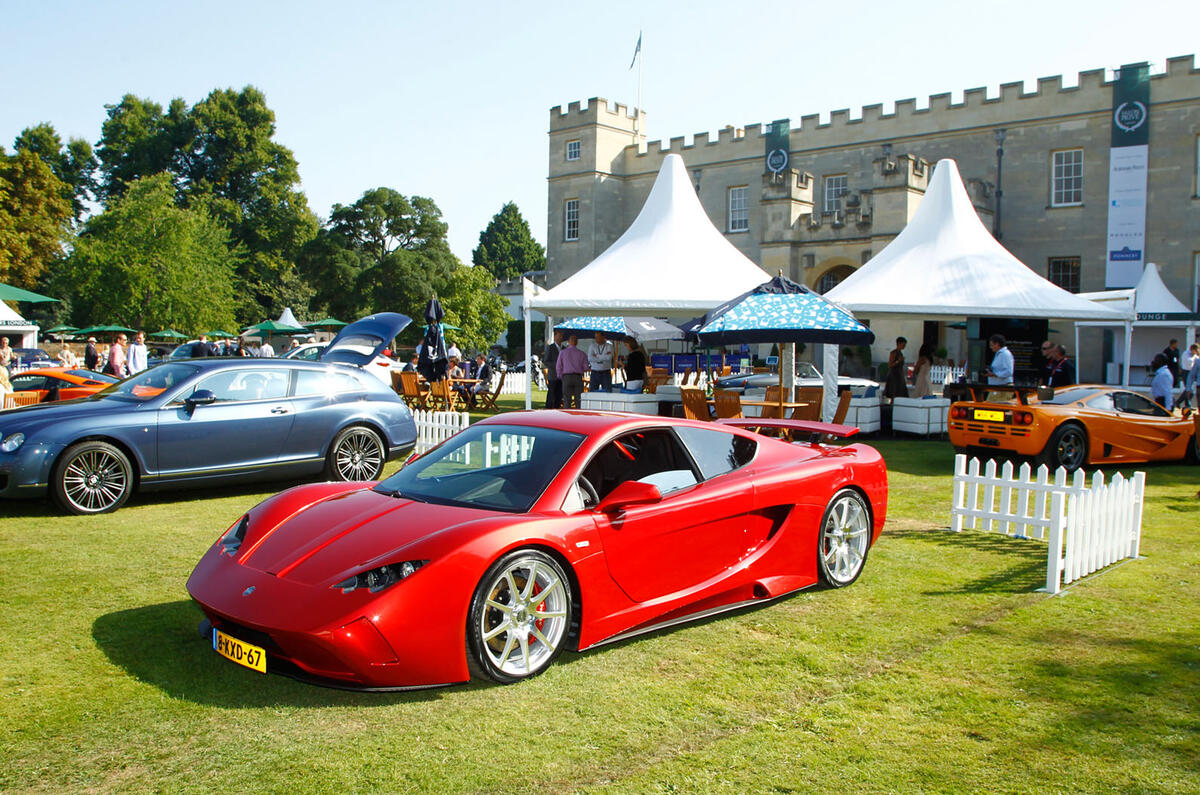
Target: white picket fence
435,427
514,383
1086,527
942,374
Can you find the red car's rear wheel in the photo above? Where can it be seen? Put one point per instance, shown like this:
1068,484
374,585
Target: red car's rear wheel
519,617
844,539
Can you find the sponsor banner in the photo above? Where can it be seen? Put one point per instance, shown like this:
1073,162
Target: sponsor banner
1127,169
1168,316
778,142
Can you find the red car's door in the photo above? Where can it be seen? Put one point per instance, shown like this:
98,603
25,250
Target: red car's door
699,529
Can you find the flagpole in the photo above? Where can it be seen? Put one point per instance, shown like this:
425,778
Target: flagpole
638,121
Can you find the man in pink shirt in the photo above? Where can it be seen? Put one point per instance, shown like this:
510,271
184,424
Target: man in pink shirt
116,357
572,364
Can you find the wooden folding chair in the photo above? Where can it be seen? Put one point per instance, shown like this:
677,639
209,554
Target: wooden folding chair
728,403
411,391
655,379
843,407
813,396
14,399
695,405
486,401
442,396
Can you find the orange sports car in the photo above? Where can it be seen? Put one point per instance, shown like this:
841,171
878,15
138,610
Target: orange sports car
1072,426
60,383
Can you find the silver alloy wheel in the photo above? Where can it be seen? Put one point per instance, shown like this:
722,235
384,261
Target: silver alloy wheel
845,534
95,480
358,455
524,617
1071,447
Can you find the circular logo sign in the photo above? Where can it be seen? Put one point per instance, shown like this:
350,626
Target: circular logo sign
777,160
1129,116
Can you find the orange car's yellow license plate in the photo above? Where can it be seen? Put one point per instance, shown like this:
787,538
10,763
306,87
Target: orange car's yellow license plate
987,415
239,651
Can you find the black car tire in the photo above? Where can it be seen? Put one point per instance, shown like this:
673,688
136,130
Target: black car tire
844,539
356,454
92,477
498,618
1067,448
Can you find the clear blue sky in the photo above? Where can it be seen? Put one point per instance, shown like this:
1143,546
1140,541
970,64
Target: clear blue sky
451,100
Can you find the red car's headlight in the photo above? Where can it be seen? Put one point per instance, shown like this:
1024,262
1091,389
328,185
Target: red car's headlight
380,577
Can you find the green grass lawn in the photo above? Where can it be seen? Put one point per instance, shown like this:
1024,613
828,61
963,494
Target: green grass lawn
942,669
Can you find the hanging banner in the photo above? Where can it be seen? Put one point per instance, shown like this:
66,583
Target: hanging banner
1127,171
778,142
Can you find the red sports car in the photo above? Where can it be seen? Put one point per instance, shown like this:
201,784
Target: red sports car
533,532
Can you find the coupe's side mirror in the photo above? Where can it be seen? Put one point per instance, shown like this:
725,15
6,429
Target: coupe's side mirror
1045,393
201,397
631,492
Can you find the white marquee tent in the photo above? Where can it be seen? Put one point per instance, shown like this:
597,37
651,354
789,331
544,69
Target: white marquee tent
945,264
12,324
670,261
1154,307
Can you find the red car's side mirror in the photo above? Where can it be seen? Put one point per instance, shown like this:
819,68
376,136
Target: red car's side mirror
631,492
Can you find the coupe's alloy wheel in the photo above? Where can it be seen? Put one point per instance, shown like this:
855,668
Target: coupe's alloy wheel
94,477
357,455
845,536
524,616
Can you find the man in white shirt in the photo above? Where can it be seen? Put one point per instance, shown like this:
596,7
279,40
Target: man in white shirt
1162,386
600,360
1001,369
138,354
266,351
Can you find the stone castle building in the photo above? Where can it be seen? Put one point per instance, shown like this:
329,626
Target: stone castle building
852,184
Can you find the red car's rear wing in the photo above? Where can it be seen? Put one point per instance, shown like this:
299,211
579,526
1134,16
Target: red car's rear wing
817,429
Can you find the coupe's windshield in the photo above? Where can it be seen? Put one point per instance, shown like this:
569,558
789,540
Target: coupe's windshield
149,383
493,467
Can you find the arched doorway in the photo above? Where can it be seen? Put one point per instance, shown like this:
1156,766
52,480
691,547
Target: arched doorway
832,278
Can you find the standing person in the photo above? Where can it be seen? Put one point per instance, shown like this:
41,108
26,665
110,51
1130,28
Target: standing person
200,347
554,388
116,357
1000,372
139,355
453,350
1189,363
896,384
1171,353
1062,369
6,354
411,367
635,367
1048,353
1162,388
921,383
600,360
91,355
66,357
266,351
572,364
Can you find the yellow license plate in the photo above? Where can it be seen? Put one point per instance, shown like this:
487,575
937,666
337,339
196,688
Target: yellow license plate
987,415
239,651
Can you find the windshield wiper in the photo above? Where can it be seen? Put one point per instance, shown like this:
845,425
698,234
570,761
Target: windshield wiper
401,495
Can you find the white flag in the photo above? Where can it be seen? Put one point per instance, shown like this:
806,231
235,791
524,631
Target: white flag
636,50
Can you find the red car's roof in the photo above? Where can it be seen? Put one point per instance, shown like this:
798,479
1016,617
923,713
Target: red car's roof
588,423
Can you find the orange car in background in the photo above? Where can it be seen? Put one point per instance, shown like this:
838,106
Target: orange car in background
1072,426
60,383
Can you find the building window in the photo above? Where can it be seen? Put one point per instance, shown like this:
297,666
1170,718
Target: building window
696,180
571,219
739,212
1064,271
864,256
1067,178
1196,192
835,189
832,278
572,150
809,260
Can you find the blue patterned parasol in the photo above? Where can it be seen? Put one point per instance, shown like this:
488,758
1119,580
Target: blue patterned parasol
621,327
781,311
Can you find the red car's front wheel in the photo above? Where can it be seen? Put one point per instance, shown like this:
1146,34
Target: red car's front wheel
520,616
844,539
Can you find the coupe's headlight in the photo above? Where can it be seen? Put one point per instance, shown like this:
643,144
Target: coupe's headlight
381,577
12,442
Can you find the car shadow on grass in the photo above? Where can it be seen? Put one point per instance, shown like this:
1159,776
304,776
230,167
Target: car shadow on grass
1025,559
158,644
45,506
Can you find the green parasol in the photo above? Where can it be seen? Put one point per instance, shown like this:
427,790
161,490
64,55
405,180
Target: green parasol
219,335
170,334
10,293
273,327
329,322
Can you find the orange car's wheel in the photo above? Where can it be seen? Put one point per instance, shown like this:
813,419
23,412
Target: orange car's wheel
1067,448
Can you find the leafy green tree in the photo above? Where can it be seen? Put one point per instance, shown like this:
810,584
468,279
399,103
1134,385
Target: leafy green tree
148,263
389,252
506,248
223,159
74,164
35,216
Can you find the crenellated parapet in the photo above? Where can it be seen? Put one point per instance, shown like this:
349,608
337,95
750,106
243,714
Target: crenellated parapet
1011,106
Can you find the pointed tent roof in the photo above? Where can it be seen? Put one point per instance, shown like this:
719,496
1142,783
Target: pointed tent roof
1149,297
945,263
671,260
286,318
